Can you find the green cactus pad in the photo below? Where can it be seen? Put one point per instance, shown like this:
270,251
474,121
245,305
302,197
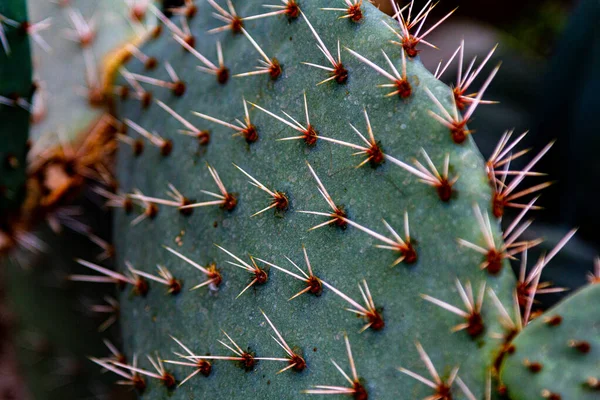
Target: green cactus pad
62,73
314,325
16,90
564,343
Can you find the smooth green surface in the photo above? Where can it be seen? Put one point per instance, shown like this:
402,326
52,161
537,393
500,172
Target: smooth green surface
342,258
62,71
15,79
564,368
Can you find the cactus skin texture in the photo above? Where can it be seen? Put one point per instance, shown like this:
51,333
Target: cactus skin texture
342,258
565,346
71,91
15,86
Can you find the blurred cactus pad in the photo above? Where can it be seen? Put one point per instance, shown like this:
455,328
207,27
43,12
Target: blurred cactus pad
302,212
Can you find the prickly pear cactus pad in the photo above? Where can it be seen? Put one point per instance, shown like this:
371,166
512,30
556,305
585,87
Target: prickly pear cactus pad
72,64
557,356
190,145
15,98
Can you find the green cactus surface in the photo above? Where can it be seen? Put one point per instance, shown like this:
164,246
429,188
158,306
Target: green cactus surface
312,325
558,354
72,72
15,96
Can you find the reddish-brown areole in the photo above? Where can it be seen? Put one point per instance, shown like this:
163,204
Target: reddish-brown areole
229,202
204,366
494,259
214,274
310,136
360,393
237,24
186,211
409,44
404,88
166,148
340,73
250,133
248,361
174,286
315,285
444,190
222,75
376,320
355,12
298,363
292,10
475,325
409,253
274,69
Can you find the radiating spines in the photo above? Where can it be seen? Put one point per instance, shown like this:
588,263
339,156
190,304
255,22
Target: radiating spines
176,85
337,215
442,388
139,284
404,247
260,276
504,194
130,377
176,199
246,358
312,282
399,85
369,312
161,374
337,71
442,183
356,389
221,72
353,10
211,272
267,66
84,31
308,133
164,277
495,254
371,149
457,124
279,200
203,136
296,361
200,366
165,145
528,284
407,39
473,320
226,200
233,22
245,129
182,32
288,8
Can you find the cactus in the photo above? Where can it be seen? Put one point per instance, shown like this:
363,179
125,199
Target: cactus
556,356
277,222
15,97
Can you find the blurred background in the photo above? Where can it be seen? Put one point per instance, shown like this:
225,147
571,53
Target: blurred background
549,50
